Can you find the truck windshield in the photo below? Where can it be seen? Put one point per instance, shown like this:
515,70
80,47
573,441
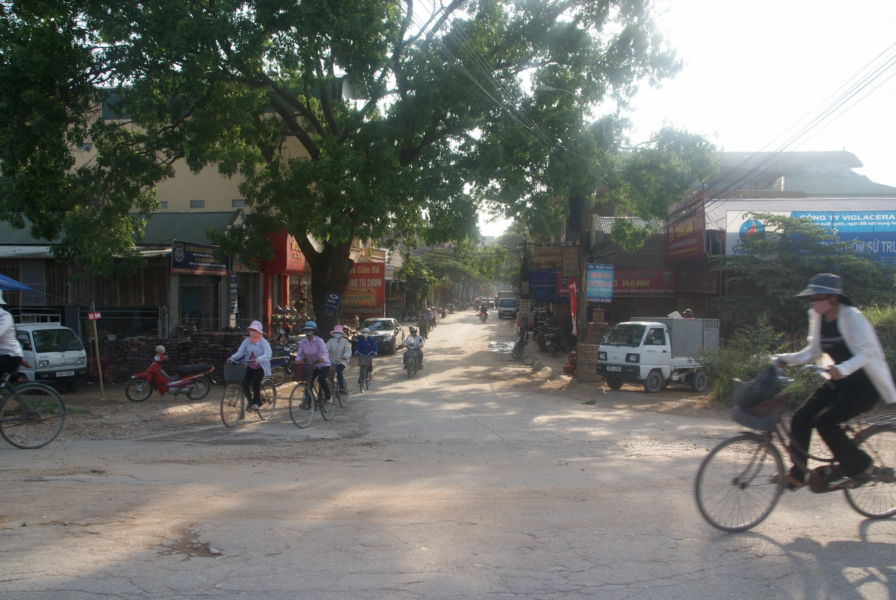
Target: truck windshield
625,335
56,340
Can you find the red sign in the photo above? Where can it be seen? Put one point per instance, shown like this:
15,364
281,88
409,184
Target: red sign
684,236
643,283
573,303
288,257
365,295
94,316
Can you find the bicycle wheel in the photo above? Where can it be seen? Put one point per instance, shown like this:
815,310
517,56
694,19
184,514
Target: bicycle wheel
232,401
268,400
32,416
739,482
137,390
199,389
877,498
327,407
337,392
300,416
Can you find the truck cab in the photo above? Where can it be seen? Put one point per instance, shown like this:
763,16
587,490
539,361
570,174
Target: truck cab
52,353
655,352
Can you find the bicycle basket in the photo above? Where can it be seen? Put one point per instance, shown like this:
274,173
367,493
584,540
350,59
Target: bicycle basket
234,373
759,404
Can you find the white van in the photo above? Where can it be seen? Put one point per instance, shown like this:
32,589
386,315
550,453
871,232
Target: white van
54,354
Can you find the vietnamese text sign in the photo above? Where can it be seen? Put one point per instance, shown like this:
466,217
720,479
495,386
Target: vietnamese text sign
543,284
366,290
599,283
645,282
869,232
684,238
195,259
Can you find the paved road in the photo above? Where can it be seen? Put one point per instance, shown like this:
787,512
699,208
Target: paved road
473,480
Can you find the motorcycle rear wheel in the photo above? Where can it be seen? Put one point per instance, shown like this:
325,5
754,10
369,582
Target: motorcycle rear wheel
138,390
199,389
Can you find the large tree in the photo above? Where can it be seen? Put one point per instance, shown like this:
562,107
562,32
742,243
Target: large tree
465,103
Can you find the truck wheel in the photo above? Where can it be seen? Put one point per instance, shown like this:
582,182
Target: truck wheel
614,382
699,382
654,381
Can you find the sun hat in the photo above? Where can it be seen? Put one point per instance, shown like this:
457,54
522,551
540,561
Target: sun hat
337,329
256,325
825,283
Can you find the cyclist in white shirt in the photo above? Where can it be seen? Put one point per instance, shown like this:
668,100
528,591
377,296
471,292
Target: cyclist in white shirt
10,349
340,351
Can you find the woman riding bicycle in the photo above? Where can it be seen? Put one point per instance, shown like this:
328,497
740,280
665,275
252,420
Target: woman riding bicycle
10,349
340,351
256,352
859,377
313,353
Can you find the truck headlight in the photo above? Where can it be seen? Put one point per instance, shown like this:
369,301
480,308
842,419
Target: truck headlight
82,360
632,357
43,364
601,356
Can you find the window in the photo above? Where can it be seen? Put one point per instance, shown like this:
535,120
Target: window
656,338
197,203
238,203
24,340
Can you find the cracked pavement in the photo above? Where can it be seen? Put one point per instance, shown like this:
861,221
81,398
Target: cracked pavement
479,478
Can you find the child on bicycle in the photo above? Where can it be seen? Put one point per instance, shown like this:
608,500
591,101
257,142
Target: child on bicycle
312,352
340,351
859,377
256,352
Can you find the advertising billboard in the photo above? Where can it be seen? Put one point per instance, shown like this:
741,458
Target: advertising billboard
365,295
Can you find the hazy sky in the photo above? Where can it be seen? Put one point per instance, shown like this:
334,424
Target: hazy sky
756,74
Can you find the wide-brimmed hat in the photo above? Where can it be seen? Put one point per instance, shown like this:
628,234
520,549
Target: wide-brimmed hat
337,329
257,326
825,283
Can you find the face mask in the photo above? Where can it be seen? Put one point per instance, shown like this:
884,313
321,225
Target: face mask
337,335
366,335
821,306
309,334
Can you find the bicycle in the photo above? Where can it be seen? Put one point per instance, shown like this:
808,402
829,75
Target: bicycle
31,414
365,365
306,397
741,480
338,392
233,400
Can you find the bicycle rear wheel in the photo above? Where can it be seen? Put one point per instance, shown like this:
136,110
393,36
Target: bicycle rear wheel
268,399
301,417
32,416
337,392
327,407
739,482
877,498
232,404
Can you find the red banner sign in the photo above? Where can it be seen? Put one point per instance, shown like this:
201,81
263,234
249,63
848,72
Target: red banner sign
288,257
643,283
684,237
365,295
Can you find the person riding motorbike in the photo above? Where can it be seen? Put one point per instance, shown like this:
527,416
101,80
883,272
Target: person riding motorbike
340,351
414,340
312,353
256,352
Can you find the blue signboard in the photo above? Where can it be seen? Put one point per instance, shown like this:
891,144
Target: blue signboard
331,307
599,283
543,285
869,232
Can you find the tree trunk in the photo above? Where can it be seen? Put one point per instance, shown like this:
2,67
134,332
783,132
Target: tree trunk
329,274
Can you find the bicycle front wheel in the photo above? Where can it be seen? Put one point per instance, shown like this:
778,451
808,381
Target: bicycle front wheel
877,498
268,399
32,416
739,482
327,407
300,416
232,404
337,392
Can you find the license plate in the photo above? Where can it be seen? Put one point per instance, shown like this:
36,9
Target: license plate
614,369
65,374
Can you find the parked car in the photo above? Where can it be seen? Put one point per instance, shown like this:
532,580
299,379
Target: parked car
387,331
54,354
508,307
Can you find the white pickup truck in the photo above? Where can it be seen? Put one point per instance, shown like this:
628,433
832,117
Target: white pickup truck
655,351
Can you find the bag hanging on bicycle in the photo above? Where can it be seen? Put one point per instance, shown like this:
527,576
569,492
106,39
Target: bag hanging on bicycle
758,404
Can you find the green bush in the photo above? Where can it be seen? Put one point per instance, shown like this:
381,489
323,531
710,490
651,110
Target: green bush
883,318
740,356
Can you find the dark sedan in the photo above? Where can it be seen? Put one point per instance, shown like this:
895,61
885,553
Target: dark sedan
387,332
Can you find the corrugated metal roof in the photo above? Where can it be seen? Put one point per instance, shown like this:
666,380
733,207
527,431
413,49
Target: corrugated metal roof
161,230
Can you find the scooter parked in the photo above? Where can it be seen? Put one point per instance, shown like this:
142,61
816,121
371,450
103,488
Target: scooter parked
282,364
522,339
192,380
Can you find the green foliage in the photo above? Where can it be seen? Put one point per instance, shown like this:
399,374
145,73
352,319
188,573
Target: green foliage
883,318
741,356
780,263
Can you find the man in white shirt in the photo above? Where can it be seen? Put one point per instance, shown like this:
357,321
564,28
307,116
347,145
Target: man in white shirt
414,340
10,349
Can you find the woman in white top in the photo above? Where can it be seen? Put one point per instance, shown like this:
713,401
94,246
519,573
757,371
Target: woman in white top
340,350
256,352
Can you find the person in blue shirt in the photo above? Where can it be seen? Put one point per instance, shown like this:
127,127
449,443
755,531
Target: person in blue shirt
366,347
256,352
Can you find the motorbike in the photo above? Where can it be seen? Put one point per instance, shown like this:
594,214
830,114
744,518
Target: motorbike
451,308
520,346
192,380
282,364
412,360
555,342
483,315
442,312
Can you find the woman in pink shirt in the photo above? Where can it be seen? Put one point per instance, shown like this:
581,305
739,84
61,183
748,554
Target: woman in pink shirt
312,352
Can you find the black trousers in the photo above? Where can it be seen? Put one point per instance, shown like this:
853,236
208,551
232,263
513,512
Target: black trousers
322,374
825,410
9,364
252,385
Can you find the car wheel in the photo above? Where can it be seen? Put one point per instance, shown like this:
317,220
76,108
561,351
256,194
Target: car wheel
654,382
